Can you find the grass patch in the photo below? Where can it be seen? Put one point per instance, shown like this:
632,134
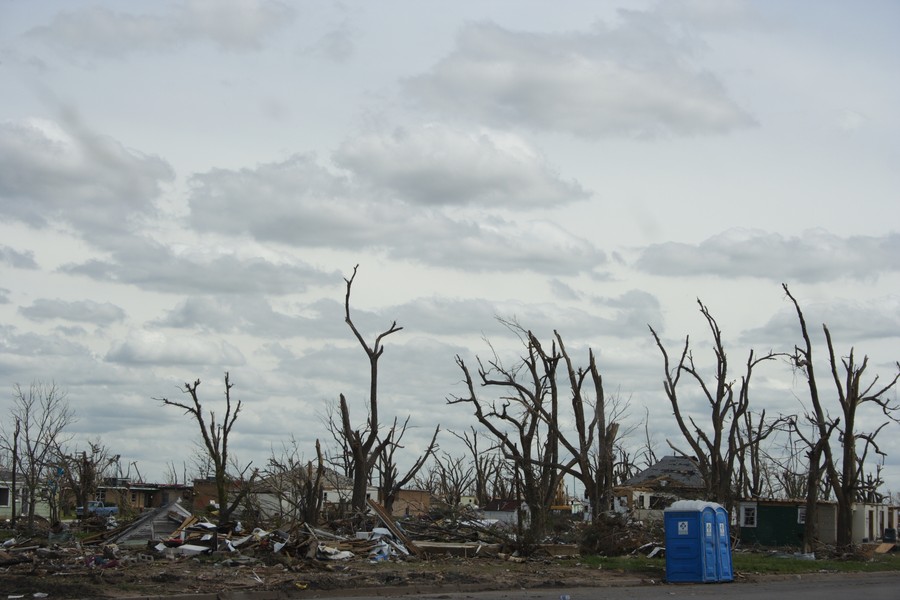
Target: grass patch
637,565
752,562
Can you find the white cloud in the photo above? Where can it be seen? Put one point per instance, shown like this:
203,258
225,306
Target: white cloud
850,121
86,311
636,79
49,173
711,15
439,165
151,265
157,348
236,25
856,320
308,206
815,255
338,45
29,345
248,314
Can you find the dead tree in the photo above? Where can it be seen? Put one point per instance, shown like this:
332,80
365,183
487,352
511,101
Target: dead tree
83,471
845,464
41,414
448,479
297,485
364,446
390,481
340,458
593,447
215,440
488,479
529,399
754,477
647,452
718,446
791,471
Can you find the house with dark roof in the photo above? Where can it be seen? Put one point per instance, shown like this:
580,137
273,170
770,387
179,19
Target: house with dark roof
505,511
649,492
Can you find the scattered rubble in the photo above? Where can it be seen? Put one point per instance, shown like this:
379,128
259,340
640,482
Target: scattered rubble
173,551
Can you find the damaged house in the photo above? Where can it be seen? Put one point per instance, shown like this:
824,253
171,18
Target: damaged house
6,497
647,494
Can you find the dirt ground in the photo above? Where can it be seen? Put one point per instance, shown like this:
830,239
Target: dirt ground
84,575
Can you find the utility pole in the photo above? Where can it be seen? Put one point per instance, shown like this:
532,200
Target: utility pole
15,467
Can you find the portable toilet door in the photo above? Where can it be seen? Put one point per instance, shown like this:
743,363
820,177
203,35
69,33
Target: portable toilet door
709,541
723,545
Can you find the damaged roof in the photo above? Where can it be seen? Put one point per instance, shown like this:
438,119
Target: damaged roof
679,470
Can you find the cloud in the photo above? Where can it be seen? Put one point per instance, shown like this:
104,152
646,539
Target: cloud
16,259
234,25
711,15
34,345
50,173
850,121
337,45
563,291
87,311
493,244
153,347
308,206
150,265
858,320
439,165
245,314
816,255
619,316
636,79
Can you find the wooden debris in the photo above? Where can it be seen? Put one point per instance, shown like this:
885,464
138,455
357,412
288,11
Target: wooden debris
392,527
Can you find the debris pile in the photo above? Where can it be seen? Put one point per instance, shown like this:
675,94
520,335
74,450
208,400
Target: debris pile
618,535
172,546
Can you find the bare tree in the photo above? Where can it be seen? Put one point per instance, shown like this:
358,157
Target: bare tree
390,481
718,446
215,440
593,448
755,477
339,458
41,414
790,469
845,466
488,477
364,447
171,475
296,484
84,470
528,401
448,478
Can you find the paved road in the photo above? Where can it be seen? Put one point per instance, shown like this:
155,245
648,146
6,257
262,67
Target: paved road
875,586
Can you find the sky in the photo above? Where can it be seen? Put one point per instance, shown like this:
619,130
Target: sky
185,186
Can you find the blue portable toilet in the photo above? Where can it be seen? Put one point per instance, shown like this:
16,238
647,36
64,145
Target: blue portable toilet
695,550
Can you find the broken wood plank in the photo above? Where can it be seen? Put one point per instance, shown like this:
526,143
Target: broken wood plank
188,521
393,528
884,548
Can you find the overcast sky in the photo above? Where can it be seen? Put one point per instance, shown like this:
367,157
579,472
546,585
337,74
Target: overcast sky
184,186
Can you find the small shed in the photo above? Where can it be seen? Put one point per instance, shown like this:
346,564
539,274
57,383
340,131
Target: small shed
770,522
506,511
